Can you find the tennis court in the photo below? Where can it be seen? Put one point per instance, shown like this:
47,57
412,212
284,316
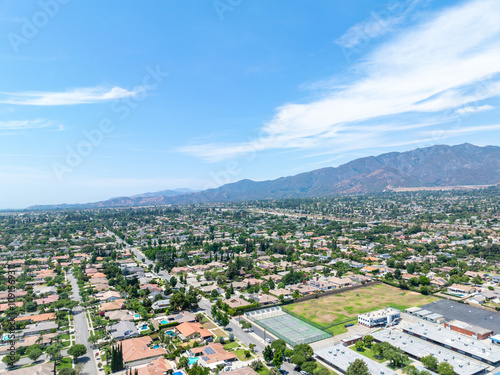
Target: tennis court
286,327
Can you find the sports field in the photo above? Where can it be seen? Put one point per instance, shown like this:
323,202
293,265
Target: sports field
331,313
290,329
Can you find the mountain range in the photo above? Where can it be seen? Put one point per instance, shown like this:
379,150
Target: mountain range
435,166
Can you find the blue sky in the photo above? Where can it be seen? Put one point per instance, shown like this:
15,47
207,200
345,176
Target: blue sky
104,99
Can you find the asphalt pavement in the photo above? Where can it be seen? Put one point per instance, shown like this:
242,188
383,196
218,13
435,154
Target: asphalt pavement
82,332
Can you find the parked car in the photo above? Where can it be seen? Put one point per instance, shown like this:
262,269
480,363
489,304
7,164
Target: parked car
284,372
303,372
268,340
296,368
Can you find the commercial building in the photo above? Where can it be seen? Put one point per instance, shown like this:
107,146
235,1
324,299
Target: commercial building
340,358
451,340
417,348
382,317
477,332
351,340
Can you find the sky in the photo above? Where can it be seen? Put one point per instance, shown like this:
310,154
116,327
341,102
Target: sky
105,99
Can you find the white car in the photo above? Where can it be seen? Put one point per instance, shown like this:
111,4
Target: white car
268,340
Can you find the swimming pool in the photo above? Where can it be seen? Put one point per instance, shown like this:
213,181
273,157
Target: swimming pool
171,333
164,321
156,346
192,360
143,327
178,373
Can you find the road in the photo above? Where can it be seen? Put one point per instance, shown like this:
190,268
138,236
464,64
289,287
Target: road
82,332
139,254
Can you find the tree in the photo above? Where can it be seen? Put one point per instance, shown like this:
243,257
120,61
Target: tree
268,353
183,362
257,366
279,345
274,371
177,301
11,359
410,370
444,368
278,358
35,354
93,339
309,366
358,367
173,281
429,361
368,340
224,320
31,306
53,351
359,345
77,351
116,358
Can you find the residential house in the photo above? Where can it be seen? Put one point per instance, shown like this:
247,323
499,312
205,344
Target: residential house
138,349
123,329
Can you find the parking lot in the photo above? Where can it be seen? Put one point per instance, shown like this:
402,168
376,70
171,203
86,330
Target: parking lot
474,315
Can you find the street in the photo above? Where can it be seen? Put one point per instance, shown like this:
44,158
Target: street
82,332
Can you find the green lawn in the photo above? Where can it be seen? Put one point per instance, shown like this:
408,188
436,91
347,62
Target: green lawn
240,353
320,366
407,363
231,345
367,352
264,371
65,363
64,336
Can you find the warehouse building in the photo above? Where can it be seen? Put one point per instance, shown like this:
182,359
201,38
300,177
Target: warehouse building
340,358
381,317
452,340
351,340
477,332
412,310
417,349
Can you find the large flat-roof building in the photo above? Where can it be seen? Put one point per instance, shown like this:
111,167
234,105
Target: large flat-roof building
380,317
340,358
417,348
452,340
477,332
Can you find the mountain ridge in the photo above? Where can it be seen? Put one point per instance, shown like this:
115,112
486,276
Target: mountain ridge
434,166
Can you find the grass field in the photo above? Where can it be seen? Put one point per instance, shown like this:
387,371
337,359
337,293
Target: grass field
231,345
367,352
65,363
332,312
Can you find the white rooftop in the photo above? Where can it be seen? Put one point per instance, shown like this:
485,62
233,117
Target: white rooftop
413,346
455,340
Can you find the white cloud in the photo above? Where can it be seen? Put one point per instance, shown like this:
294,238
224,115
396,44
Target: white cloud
473,109
83,95
378,24
30,124
448,62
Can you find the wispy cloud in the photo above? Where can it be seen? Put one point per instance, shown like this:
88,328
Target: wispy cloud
85,95
473,109
378,24
447,62
30,124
